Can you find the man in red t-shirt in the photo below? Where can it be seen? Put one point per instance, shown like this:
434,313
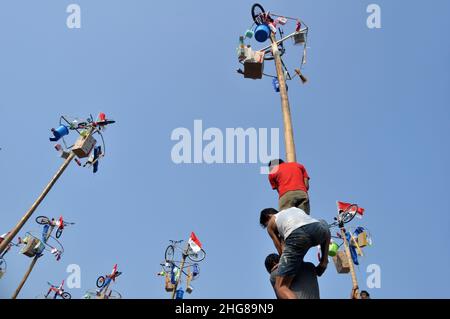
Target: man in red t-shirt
291,180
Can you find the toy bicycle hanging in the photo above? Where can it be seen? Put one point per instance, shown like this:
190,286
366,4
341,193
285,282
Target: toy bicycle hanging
35,242
50,224
85,146
265,24
58,291
103,284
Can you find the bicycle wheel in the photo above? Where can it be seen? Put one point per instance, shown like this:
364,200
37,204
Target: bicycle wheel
59,232
66,295
350,213
197,257
258,13
42,220
170,253
100,281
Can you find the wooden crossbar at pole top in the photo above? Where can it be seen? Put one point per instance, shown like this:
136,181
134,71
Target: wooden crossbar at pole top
355,290
285,108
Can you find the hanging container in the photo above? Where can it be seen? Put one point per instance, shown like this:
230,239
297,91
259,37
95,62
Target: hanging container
333,249
83,146
195,270
262,33
341,263
169,286
179,294
299,38
249,34
59,132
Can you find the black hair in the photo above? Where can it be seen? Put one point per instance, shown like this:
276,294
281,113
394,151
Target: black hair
365,292
275,162
265,216
271,260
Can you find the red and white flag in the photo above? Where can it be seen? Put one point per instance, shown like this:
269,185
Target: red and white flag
343,206
194,243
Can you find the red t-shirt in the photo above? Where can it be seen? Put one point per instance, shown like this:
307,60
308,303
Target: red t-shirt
288,177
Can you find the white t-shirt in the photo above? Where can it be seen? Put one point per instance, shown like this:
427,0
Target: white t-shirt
290,219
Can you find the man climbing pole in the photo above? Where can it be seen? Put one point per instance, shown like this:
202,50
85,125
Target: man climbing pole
291,180
304,284
293,233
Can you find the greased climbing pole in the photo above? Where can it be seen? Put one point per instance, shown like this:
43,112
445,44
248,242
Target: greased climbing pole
267,26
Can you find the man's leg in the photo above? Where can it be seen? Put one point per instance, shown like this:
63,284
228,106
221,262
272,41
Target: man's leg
296,247
320,234
282,287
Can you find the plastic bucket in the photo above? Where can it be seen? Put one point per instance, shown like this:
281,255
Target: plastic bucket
59,132
179,294
333,249
262,33
195,270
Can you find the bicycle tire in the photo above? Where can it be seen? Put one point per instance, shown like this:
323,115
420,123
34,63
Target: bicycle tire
170,253
42,220
197,257
349,213
66,295
100,282
256,16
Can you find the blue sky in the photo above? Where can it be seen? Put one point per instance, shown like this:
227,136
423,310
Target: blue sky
371,126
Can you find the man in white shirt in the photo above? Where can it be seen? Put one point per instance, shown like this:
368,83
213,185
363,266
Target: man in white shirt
293,233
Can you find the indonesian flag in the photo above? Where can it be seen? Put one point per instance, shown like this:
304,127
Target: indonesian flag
194,243
343,206
113,272
2,237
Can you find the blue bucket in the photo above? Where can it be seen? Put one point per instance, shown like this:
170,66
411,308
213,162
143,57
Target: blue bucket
262,33
195,270
179,294
59,132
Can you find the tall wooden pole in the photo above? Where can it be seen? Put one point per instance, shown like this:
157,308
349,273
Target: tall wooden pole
287,120
41,197
24,279
183,260
35,205
355,289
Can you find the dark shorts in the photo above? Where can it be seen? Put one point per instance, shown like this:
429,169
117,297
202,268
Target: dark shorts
299,199
297,245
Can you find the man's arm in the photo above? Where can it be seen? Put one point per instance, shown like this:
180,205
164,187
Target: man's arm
306,180
273,233
273,181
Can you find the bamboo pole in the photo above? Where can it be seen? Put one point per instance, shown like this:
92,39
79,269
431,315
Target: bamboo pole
183,260
287,120
355,290
25,277
41,197
35,205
